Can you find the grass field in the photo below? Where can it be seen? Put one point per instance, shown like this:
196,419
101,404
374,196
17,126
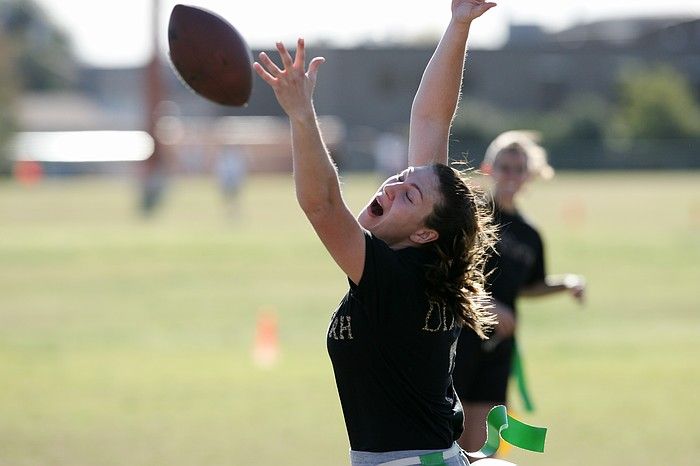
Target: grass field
127,341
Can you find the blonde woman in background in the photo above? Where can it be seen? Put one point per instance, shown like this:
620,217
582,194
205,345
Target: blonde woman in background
517,269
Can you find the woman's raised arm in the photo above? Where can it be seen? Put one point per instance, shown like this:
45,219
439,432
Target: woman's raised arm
435,103
315,175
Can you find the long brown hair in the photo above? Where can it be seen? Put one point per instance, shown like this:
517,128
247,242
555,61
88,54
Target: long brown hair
466,238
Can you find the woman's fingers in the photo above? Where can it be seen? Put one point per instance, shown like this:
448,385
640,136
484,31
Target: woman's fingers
300,60
300,57
483,8
313,67
284,54
271,73
267,77
471,9
271,67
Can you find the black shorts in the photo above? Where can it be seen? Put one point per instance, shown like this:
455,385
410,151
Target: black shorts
482,369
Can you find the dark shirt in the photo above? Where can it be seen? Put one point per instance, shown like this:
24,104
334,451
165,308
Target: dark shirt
519,260
483,367
393,356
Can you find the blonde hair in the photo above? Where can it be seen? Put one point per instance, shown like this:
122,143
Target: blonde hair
524,141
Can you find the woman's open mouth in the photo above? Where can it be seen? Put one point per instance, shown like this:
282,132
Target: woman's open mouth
376,209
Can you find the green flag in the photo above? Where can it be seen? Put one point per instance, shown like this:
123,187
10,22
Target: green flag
500,425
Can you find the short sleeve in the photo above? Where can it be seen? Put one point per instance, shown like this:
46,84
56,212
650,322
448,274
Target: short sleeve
538,272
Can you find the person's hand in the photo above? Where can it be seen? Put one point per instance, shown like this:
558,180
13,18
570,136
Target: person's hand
293,84
576,286
506,321
465,11
504,328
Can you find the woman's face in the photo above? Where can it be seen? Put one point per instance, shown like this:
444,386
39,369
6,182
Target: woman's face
397,212
509,172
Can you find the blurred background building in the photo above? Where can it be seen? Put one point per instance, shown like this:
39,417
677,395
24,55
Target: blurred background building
610,94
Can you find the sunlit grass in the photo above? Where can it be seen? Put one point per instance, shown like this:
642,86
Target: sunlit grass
126,340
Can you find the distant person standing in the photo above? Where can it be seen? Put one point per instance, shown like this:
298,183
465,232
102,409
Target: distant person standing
517,269
231,170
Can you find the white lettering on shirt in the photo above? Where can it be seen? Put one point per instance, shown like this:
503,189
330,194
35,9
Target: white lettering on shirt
438,318
341,327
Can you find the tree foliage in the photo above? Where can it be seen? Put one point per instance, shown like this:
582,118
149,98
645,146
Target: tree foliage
654,112
42,53
8,86
656,103
35,55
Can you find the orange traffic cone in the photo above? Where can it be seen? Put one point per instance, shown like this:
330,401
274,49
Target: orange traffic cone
266,345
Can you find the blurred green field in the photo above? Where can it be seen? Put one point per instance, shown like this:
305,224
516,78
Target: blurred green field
127,341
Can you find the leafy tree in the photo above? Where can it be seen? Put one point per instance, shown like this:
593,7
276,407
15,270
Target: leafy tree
42,53
34,56
656,103
8,86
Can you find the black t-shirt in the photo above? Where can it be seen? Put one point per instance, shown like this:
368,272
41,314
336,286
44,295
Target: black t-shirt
393,356
519,260
483,367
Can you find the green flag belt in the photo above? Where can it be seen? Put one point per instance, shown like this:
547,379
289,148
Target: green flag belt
500,425
519,374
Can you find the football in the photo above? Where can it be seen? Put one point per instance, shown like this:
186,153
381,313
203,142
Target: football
210,56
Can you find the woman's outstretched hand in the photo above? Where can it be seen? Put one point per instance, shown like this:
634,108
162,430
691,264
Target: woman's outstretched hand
465,11
293,83
576,286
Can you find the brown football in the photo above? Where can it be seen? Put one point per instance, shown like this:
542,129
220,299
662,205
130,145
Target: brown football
210,56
